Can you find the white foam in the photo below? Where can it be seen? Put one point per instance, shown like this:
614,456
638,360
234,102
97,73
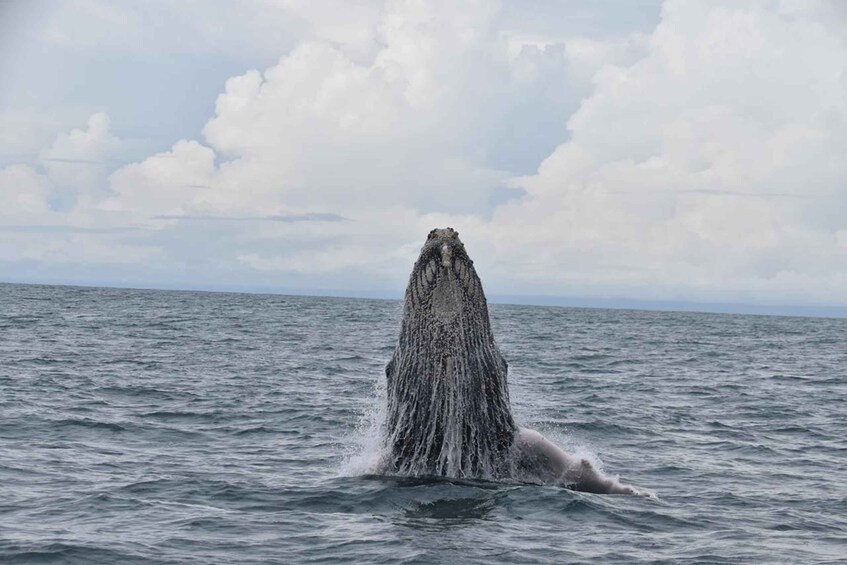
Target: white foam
365,444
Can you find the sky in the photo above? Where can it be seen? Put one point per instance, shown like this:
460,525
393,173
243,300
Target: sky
676,151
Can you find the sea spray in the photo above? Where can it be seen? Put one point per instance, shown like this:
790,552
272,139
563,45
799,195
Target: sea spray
366,446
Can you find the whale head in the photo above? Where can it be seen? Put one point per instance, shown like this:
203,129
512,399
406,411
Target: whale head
448,404
444,283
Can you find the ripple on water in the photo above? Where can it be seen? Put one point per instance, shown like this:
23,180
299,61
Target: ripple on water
183,427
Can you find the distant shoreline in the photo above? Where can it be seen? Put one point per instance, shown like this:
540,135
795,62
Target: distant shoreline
805,311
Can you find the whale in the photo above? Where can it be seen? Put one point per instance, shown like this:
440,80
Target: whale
448,412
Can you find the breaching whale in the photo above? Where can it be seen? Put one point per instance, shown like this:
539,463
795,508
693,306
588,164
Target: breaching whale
448,410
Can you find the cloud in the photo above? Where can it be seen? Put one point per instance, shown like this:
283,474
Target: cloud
23,133
79,162
169,183
162,29
313,217
710,168
75,167
35,228
23,192
700,160
434,119
48,216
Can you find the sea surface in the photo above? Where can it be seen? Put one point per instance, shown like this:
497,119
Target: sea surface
143,426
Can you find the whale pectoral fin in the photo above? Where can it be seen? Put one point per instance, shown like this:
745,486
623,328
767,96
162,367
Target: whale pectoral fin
544,459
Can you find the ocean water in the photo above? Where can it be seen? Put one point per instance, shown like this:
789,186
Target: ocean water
188,427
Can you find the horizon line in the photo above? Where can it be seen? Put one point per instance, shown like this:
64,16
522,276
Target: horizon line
598,303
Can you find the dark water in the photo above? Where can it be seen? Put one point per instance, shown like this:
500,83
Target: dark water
184,427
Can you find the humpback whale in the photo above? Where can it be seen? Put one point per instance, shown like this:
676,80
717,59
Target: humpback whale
448,410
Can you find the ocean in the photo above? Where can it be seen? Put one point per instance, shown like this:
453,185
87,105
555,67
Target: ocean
142,426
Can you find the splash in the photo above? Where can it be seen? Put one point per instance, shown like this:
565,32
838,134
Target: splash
366,453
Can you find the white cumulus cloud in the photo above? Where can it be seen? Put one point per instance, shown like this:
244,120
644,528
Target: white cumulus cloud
712,167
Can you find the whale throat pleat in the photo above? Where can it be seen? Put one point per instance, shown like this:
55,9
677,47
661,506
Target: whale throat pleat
448,404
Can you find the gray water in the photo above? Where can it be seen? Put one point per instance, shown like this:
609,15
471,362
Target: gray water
188,427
